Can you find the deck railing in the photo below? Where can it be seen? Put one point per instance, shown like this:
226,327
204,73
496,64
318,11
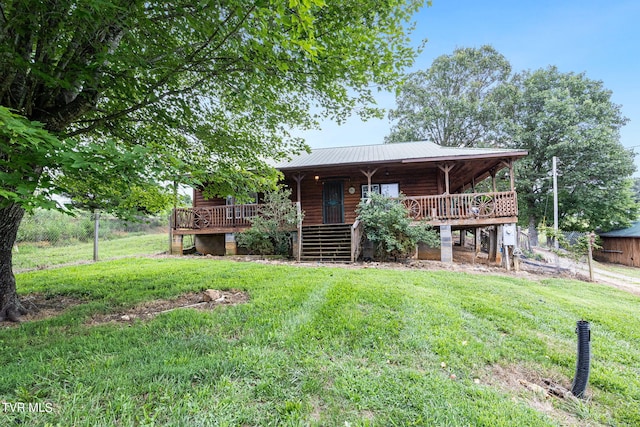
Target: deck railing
214,217
467,206
463,206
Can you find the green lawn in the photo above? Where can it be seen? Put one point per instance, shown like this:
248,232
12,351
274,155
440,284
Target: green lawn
31,255
620,269
318,346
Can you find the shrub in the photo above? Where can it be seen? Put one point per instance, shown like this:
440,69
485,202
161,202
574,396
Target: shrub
271,229
387,225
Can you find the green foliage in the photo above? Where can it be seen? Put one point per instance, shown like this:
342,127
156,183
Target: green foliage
387,224
148,91
317,346
61,229
271,229
575,250
23,144
570,116
450,104
468,99
34,164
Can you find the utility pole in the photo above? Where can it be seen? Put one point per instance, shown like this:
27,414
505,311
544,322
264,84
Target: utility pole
556,244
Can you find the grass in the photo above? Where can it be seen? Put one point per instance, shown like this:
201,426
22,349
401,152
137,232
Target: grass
317,346
620,269
39,255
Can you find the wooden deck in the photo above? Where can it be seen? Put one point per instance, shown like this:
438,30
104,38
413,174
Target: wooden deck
467,209
213,219
458,210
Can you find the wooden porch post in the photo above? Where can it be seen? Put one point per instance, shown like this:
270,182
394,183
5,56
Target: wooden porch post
298,244
512,177
369,174
446,169
493,243
298,178
493,180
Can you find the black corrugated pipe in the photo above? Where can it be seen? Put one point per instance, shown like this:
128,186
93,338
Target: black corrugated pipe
584,359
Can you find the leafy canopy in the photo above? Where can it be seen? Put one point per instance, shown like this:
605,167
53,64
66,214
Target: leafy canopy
138,92
450,103
469,99
570,116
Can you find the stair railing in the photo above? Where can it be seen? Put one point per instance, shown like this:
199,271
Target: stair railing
299,213
357,229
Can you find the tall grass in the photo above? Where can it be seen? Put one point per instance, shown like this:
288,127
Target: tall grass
59,229
317,346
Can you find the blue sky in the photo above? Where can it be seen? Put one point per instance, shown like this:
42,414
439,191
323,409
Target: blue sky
599,38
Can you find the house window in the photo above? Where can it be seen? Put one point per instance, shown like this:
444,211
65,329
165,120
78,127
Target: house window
375,188
389,190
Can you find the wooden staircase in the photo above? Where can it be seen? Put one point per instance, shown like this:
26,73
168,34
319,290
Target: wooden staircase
326,243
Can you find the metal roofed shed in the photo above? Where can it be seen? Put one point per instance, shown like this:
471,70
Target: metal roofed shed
621,246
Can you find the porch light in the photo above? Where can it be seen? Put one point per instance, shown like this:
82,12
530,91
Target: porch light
316,177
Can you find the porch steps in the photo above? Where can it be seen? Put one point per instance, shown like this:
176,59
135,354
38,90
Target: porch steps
326,243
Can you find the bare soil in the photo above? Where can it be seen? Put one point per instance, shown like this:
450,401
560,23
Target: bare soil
546,392
43,306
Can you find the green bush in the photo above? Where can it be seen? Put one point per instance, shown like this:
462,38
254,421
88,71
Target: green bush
387,225
271,229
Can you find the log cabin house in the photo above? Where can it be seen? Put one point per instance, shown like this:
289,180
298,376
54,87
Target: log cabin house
439,185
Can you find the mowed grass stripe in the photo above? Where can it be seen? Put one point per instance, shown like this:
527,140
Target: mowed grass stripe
315,346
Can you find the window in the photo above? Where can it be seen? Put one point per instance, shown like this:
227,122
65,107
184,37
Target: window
375,188
389,190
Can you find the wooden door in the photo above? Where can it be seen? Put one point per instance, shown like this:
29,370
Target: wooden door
332,203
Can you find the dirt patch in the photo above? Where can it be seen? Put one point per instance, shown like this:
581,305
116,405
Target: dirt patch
150,309
42,306
545,392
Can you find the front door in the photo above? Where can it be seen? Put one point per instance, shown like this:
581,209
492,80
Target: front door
332,203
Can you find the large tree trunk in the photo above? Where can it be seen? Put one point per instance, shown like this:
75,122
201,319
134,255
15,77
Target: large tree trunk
10,306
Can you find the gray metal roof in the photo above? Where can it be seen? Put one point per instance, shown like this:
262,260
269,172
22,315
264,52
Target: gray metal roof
633,231
385,153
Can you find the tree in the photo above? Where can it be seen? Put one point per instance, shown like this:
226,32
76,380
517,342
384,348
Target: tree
139,91
450,104
570,116
467,99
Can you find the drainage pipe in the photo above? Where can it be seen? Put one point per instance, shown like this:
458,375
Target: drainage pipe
584,359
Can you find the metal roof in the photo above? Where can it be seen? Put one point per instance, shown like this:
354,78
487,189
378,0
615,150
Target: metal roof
405,152
633,231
